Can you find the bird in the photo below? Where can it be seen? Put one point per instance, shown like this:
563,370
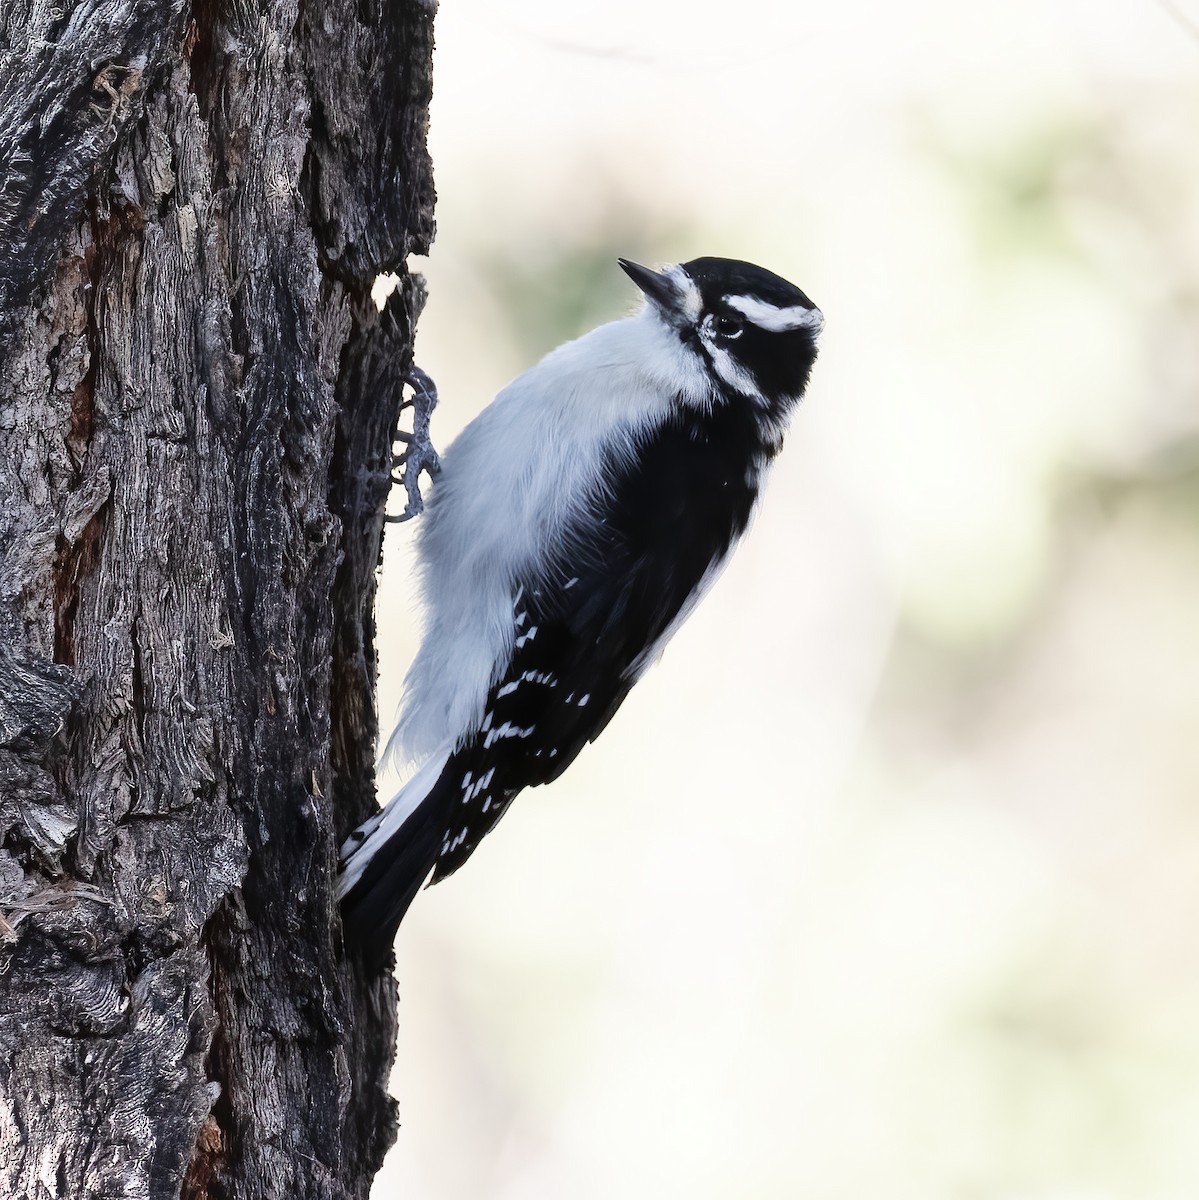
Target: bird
572,527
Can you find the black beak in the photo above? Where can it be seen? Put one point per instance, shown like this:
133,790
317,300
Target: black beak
658,286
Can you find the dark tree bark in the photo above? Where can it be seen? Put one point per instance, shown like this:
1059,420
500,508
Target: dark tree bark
196,403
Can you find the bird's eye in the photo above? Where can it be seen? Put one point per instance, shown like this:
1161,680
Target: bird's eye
727,326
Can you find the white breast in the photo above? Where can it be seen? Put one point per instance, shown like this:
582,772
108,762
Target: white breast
509,484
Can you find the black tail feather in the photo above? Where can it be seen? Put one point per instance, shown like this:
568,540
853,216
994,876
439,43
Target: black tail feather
371,911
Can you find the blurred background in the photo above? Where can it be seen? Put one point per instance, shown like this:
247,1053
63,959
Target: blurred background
885,883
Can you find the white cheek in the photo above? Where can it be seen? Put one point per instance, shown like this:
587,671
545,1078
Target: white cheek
731,372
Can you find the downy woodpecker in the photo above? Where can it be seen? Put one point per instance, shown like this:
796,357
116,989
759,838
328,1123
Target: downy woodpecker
573,526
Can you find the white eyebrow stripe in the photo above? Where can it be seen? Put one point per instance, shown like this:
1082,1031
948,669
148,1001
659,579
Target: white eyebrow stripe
776,320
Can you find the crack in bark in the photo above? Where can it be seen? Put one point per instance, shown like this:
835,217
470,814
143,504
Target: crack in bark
74,562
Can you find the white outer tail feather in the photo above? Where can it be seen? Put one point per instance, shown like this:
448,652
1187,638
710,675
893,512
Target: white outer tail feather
360,847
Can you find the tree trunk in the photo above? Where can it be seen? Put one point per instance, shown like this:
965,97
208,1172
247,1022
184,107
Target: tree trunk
196,404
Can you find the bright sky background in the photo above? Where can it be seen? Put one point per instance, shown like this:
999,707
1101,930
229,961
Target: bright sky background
885,883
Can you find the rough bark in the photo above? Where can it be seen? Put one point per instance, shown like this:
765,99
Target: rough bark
196,403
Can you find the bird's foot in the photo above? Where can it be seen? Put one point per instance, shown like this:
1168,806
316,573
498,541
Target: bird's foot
418,453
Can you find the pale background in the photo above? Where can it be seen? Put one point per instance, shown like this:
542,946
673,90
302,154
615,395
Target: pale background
884,885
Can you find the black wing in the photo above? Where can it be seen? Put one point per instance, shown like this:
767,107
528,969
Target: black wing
619,584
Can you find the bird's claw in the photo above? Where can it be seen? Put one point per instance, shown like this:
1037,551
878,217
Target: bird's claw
419,454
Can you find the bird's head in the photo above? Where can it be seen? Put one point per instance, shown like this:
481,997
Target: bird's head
753,333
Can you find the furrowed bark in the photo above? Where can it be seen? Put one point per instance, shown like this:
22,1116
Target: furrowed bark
196,402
